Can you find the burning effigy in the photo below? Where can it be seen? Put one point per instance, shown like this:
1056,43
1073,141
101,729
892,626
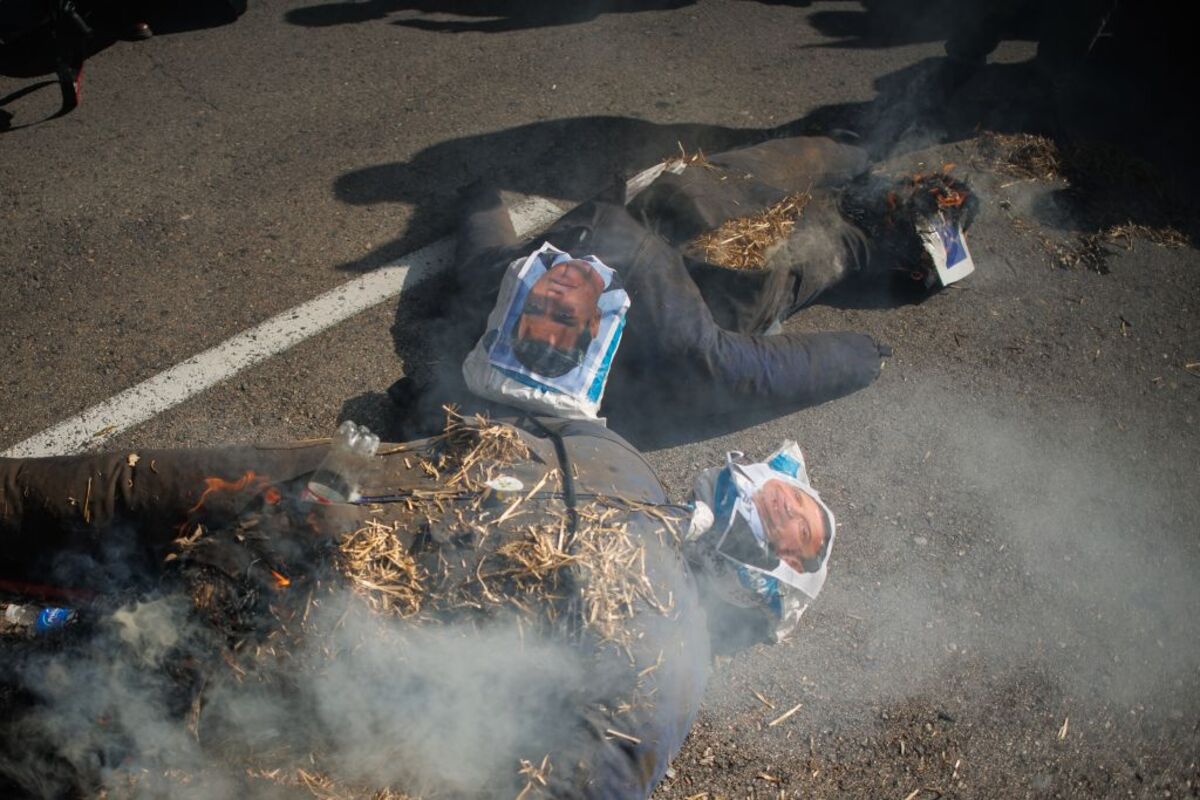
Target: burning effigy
695,265
914,222
498,611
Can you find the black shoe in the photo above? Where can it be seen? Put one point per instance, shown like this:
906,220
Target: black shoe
70,82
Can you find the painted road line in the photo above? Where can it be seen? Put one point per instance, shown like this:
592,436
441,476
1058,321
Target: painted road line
135,405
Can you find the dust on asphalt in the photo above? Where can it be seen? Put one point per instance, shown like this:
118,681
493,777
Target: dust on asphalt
1012,610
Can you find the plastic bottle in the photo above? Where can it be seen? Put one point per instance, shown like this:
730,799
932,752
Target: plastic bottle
20,616
34,620
340,475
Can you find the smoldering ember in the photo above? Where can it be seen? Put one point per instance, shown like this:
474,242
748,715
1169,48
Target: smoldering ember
687,399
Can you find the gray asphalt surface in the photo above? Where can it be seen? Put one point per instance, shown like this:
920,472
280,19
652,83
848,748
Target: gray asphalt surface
1013,609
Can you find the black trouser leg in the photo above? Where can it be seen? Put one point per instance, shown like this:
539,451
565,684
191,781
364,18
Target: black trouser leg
67,520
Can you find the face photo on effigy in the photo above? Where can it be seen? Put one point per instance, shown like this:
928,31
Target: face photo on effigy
782,529
562,323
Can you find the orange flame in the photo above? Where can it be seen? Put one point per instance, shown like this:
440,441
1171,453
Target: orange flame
948,198
281,581
250,479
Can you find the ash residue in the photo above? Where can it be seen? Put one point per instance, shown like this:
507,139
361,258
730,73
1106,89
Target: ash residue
1109,198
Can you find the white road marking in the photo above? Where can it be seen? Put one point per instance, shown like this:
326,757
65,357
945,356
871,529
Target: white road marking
137,404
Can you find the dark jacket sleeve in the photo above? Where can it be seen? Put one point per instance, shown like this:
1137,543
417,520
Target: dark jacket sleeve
486,230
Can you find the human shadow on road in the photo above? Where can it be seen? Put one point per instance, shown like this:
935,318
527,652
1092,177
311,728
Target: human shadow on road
569,159
36,50
882,23
475,16
876,24
1125,170
573,159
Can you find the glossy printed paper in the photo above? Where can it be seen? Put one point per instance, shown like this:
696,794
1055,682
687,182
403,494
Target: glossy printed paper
552,336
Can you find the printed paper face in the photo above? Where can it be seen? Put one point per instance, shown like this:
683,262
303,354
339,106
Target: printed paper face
947,247
562,324
776,526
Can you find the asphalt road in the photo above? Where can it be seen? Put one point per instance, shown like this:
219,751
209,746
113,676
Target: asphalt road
1013,609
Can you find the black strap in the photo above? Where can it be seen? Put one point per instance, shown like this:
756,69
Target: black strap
564,462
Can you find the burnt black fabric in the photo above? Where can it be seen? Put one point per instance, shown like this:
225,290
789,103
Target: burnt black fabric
886,210
94,522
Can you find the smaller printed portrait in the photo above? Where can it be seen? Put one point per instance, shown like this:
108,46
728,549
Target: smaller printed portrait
780,527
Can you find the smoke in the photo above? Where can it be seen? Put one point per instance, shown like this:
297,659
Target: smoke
371,701
92,704
446,706
1103,555
825,244
1054,547
149,629
225,682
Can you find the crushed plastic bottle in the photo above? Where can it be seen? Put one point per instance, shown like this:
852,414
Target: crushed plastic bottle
20,616
340,475
34,620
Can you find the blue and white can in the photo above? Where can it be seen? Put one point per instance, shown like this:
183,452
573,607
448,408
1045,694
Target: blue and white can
53,618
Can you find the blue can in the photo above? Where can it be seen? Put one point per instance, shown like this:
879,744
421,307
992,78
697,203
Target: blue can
52,619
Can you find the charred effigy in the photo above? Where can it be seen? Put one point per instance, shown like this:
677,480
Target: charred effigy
461,630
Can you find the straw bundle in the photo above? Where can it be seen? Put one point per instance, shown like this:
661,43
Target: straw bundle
529,568
537,555
322,787
534,571
612,571
1023,155
381,569
743,242
472,445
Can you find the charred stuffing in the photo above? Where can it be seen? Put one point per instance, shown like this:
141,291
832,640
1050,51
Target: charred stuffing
220,681
891,211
